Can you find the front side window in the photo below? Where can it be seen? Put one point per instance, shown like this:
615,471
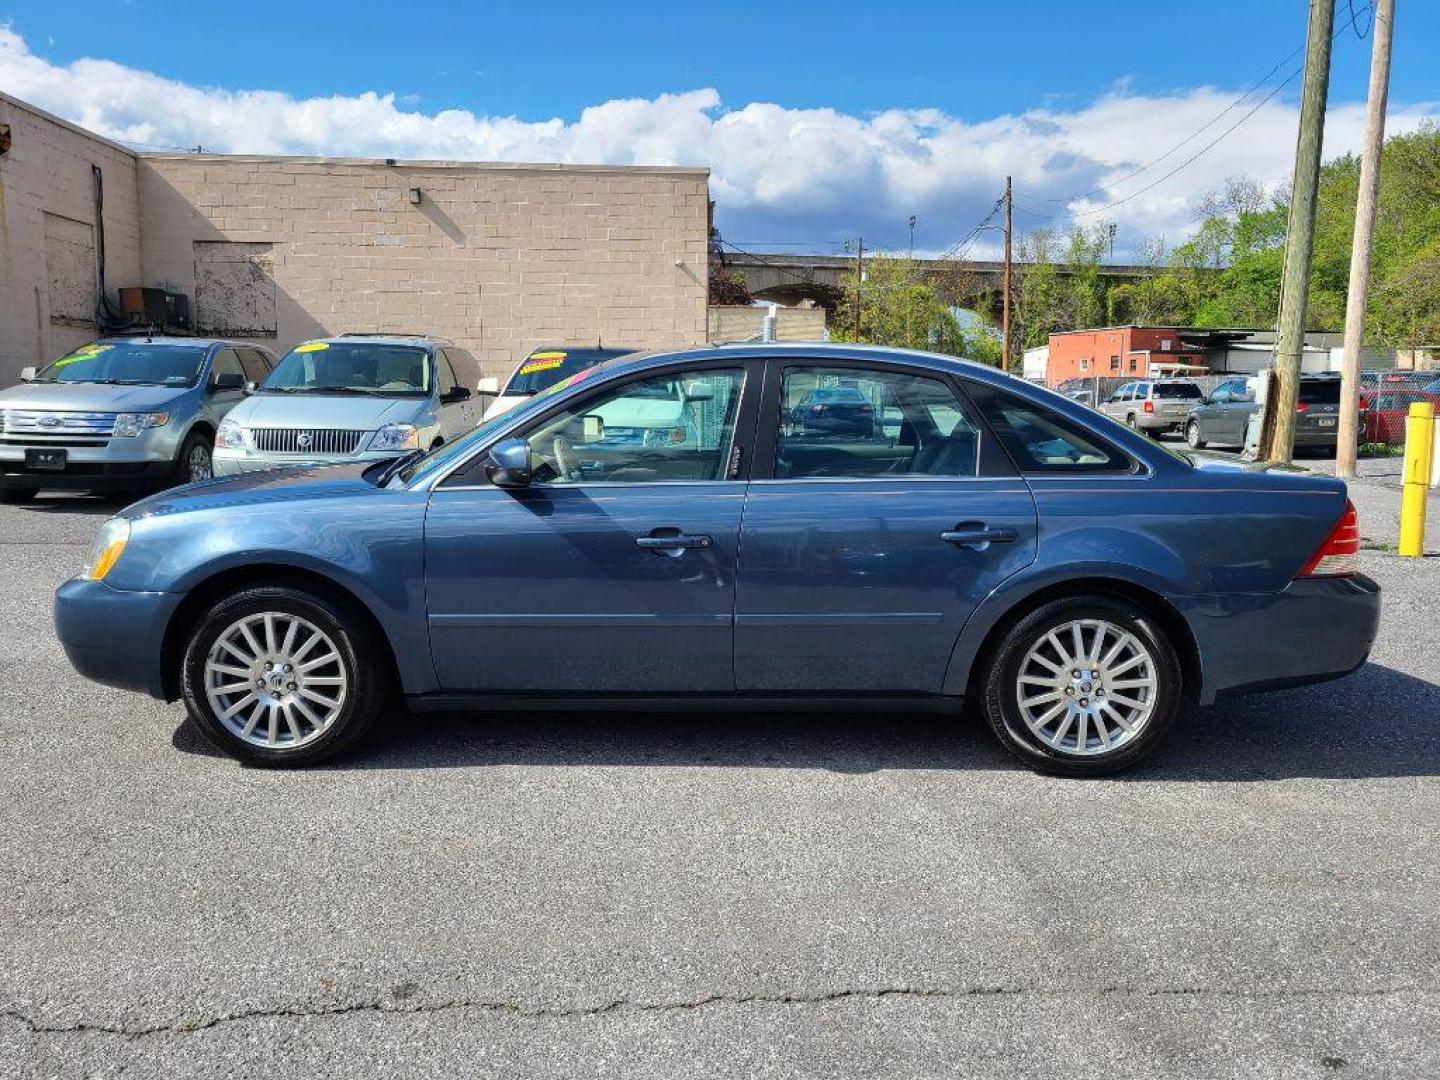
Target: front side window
671,427
1042,441
226,363
447,374
351,367
850,423
127,363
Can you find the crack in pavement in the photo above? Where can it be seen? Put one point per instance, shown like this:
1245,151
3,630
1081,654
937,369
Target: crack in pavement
399,1005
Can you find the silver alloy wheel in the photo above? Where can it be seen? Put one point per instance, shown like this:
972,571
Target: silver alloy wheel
1087,687
275,680
1192,434
199,466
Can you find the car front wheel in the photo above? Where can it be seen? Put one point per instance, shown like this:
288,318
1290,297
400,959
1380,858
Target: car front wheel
278,676
1192,436
1082,686
195,462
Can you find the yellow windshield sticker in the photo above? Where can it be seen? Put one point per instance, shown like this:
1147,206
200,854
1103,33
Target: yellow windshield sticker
312,346
85,352
540,365
549,354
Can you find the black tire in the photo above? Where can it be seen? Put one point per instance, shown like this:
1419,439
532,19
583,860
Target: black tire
366,671
195,443
17,496
1130,422
1000,696
1192,436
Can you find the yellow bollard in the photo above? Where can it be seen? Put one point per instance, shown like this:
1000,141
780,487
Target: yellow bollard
1419,443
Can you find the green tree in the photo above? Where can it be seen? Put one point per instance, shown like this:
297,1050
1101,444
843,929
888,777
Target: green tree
900,306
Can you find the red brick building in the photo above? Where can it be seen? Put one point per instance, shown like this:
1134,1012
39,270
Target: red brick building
1117,352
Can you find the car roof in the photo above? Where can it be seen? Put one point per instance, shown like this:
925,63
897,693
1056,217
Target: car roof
812,351
423,340
165,339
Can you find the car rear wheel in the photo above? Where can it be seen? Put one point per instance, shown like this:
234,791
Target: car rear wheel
1082,686
1130,421
278,676
1192,436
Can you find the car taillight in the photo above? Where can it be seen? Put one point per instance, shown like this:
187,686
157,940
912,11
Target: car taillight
1302,406
1337,555
1149,406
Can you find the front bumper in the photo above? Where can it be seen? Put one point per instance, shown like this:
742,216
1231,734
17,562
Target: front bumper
103,474
233,463
115,637
1315,629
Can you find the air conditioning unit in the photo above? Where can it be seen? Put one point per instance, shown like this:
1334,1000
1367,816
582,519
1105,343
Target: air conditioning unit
155,308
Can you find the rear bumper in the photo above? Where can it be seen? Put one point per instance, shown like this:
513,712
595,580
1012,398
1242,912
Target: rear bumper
1314,630
114,637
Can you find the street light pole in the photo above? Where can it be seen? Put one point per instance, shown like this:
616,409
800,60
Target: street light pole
1365,202
1005,312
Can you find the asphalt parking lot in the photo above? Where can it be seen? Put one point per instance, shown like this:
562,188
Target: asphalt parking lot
595,896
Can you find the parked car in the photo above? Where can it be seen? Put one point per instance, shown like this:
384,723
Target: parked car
122,413
543,368
833,410
357,397
1153,406
1012,547
1225,415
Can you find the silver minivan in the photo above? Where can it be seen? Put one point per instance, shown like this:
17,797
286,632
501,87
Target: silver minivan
122,413
355,397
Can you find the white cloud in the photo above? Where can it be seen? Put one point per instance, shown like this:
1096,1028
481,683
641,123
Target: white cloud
777,173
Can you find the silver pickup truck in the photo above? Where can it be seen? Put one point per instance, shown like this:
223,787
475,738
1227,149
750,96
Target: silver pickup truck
125,413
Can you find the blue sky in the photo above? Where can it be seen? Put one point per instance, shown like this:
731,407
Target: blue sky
821,121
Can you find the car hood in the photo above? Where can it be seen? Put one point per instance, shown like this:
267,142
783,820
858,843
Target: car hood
90,397
299,483
324,411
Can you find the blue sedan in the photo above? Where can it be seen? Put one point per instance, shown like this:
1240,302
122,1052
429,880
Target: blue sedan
995,542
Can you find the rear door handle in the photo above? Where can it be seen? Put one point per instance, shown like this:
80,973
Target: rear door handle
977,535
674,542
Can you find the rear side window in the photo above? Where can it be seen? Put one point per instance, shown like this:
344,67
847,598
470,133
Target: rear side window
1042,441
1177,391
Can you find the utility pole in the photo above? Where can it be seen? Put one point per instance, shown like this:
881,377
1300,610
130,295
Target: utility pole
1383,28
1005,316
912,236
859,275
1300,235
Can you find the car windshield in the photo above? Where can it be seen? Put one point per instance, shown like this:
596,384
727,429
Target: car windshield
127,363
543,368
1177,391
351,367
1320,392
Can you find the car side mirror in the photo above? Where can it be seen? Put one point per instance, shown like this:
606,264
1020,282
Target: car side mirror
27,374
251,386
226,381
455,393
508,463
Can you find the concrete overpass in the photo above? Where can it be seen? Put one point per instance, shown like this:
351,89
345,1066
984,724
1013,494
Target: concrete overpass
969,283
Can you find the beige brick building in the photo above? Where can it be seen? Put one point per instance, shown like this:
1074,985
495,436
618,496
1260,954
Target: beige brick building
500,258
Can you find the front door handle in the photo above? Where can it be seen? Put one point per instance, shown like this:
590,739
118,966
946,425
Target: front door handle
674,541
978,535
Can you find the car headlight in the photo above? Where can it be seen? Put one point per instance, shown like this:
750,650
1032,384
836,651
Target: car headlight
233,436
396,437
130,424
110,542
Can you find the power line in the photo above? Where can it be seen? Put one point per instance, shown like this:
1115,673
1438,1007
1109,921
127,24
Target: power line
1203,127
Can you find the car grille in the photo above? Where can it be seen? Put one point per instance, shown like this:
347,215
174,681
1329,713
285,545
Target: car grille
306,440
56,425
